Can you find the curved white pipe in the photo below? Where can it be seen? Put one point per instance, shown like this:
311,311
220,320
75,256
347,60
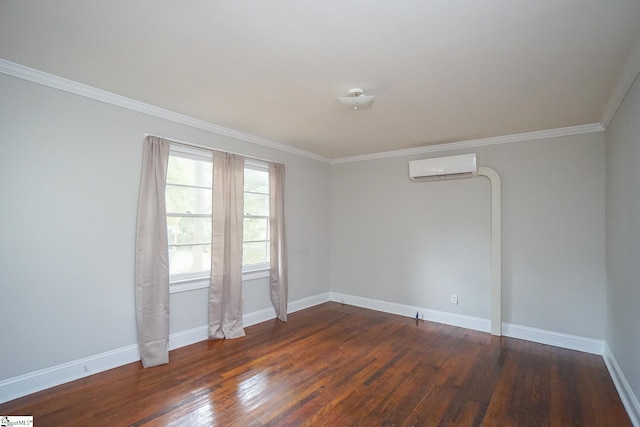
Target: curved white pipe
496,247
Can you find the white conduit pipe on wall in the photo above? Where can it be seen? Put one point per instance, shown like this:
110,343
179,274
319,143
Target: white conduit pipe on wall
466,166
496,247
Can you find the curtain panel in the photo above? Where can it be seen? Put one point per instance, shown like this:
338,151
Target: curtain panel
278,250
152,256
225,292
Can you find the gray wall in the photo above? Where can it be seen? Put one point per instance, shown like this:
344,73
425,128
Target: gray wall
623,236
69,177
69,181
418,243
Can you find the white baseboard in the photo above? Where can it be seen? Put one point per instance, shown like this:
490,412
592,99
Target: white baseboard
541,336
628,397
188,337
33,382
468,322
255,317
303,303
557,339
260,316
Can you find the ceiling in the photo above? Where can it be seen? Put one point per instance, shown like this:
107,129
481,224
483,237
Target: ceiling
441,70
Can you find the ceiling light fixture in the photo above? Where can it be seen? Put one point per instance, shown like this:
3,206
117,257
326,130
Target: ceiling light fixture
357,99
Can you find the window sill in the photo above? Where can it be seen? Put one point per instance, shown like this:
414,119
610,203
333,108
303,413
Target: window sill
186,285
255,274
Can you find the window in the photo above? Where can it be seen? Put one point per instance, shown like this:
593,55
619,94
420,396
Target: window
255,245
189,208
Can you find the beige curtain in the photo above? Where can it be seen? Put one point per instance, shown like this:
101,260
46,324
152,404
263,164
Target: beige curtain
225,292
278,255
152,256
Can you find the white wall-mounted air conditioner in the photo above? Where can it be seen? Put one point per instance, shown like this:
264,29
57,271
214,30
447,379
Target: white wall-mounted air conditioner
460,166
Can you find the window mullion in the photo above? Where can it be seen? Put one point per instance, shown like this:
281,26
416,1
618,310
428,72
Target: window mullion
187,215
199,187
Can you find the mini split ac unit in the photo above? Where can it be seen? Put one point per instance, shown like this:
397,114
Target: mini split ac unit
460,166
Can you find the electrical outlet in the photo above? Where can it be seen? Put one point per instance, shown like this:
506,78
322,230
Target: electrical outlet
454,299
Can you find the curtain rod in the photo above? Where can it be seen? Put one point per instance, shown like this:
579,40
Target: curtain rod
204,147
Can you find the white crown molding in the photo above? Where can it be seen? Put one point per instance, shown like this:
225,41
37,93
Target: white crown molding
50,80
630,71
506,139
626,79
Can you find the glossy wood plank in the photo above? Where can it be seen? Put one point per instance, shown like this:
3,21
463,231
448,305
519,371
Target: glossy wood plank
337,365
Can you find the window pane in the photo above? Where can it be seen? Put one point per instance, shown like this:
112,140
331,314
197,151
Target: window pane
256,204
256,180
188,230
189,171
189,259
188,200
255,229
255,253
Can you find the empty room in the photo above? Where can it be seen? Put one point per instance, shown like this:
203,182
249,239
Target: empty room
337,213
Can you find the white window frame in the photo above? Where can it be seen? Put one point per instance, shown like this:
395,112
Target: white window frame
188,281
253,269
200,280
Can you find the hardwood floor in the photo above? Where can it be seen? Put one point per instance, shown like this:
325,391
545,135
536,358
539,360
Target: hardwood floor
338,365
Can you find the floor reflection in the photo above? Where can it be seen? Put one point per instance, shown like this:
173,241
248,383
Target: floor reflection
250,389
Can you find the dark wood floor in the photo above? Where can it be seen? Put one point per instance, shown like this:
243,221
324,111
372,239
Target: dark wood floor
337,365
